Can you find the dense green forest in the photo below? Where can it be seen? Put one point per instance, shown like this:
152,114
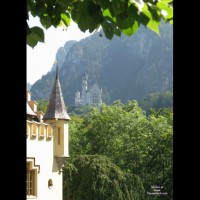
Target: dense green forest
153,101
120,148
135,144
157,101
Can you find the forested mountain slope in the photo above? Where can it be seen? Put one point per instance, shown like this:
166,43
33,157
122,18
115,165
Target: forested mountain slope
125,68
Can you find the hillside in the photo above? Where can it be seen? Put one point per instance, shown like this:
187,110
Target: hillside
126,68
28,86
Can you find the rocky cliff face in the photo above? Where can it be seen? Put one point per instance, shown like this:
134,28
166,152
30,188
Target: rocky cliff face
62,53
126,68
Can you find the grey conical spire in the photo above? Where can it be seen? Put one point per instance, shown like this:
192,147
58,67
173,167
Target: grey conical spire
56,71
56,108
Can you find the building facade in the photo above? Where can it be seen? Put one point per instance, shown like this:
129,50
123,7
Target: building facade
47,146
92,96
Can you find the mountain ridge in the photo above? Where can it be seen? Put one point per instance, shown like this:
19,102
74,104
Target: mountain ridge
125,68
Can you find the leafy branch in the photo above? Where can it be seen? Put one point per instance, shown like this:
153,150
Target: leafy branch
115,16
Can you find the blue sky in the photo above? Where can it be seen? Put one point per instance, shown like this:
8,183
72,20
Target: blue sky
41,58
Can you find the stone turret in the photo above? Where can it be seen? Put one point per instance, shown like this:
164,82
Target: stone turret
84,89
77,99
57,114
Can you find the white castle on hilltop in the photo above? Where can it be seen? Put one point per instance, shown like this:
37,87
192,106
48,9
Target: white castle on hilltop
92,96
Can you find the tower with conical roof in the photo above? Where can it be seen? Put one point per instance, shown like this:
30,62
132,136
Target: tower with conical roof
56,107
84,89
47,146
57,114
90,96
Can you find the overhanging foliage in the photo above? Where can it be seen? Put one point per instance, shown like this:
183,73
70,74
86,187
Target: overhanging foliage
114,16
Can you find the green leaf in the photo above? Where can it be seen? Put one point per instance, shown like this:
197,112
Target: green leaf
45,21
87,23
58,10
106,13
167,8
65,17
85,17
104,4
133,12
40,8
142,17
107,16
117,7
63,3
56,20
108,30
50,10
146,12
155,12
31,41
28,31
153,25
94,11
31,7
37,33
130,31
167,1
138,3
123,21
129,22
117,32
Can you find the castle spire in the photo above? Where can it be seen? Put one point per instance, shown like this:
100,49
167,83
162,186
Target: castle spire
56,71
56,108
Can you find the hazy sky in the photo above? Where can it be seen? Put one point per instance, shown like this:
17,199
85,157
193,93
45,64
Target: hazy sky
41,58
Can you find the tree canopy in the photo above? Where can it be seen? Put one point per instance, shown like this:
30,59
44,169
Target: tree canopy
96,177
42,105
132,145
136,143
114,17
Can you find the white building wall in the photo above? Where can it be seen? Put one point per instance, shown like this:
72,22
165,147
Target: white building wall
42,151
63,148
66,140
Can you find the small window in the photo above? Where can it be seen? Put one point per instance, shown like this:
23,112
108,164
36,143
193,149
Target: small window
49,132
95,98
42,131
30,180
34,130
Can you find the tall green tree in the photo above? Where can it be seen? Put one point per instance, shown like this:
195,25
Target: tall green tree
92,177
78,144
136,143
115,16
157,100
42,105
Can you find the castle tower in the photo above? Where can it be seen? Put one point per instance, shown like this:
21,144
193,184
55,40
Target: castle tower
84,89
95,95
77,98
56,114
47,146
